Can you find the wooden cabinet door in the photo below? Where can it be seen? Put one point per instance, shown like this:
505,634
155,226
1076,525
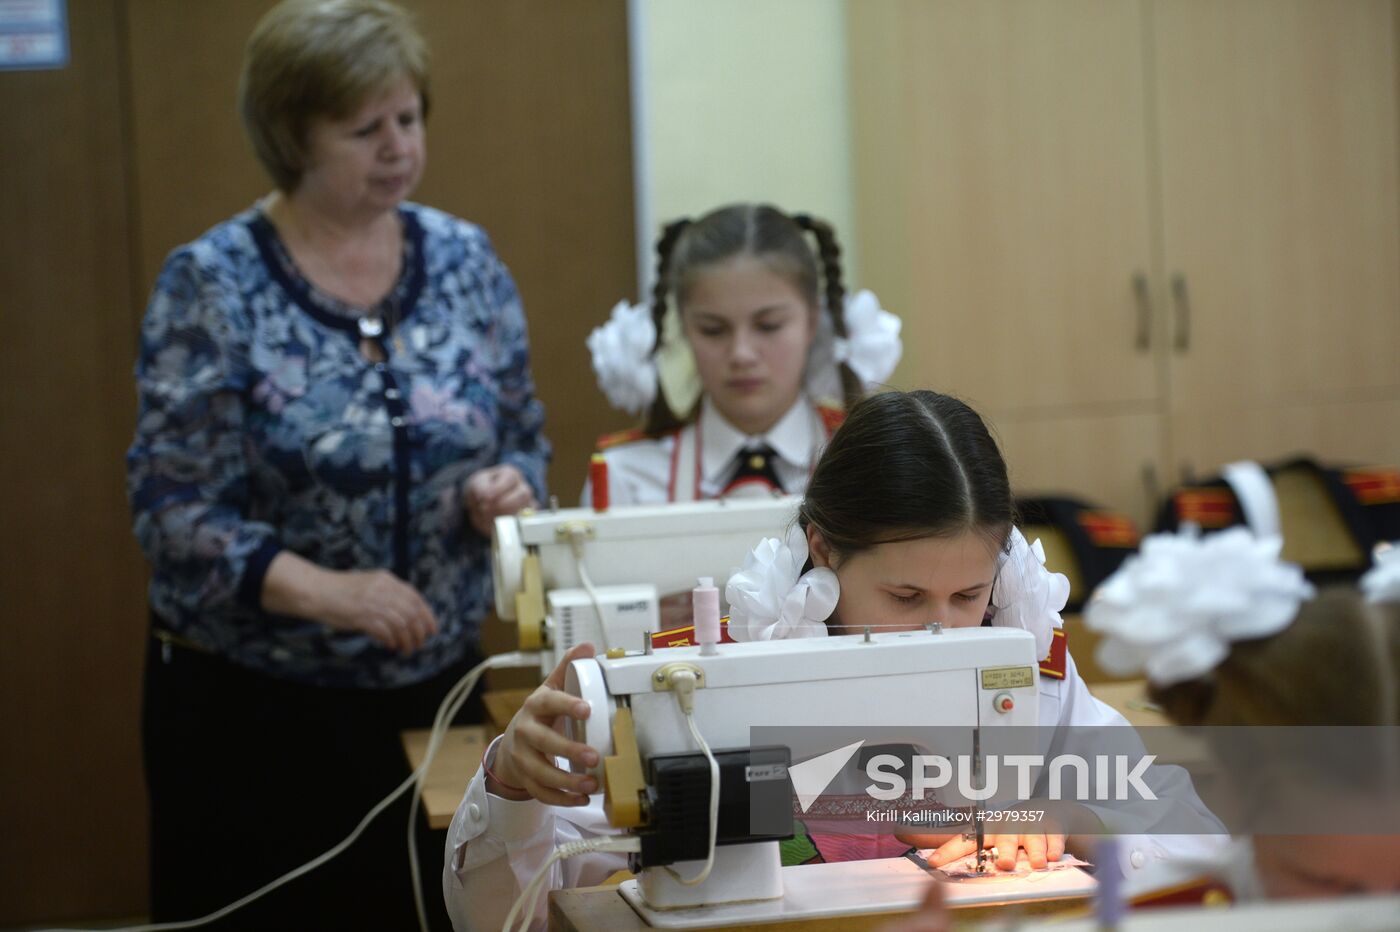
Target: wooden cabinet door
1361,433
1002,196
1279,200
1108,460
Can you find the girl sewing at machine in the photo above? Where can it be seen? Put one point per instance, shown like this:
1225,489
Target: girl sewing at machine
908,520
744,362
1231,638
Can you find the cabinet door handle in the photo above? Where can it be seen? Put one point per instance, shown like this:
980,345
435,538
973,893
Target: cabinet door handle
1182,299
1151,488
1143,299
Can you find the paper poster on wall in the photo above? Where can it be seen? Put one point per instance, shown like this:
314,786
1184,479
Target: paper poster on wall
33,34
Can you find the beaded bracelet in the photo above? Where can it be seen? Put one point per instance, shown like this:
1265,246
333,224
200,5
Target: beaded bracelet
486,768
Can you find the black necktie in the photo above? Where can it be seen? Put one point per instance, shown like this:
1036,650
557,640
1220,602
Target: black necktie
754,472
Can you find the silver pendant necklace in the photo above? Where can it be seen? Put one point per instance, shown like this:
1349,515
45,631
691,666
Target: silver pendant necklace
371,326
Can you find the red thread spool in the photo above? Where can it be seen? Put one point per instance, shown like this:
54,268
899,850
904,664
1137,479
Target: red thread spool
598,479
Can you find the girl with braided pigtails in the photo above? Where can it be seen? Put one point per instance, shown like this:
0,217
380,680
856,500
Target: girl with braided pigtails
743,363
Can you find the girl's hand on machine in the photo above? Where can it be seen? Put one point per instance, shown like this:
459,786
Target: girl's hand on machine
525,757
1040,849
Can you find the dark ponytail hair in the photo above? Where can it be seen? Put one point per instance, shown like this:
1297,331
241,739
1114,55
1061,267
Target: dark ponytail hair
905,466
686,248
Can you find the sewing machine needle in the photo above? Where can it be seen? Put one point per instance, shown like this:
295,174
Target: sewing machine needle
981,837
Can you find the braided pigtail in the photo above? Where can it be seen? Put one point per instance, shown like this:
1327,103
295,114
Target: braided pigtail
661,418
665,246
829,251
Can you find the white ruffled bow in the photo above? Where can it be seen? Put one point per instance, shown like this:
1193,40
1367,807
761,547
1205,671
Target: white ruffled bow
871,347
1174,608
1026,594
768,600
622,358
627,371
1382,581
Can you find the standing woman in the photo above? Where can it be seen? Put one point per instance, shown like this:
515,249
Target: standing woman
335,404
744,362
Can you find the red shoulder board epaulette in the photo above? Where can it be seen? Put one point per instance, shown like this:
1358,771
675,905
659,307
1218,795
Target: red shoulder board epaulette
685,637
1375,486
1203,891
620,437
1057,660
832,417
1108,529
1206,507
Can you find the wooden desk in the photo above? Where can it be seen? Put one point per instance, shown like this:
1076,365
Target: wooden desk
457,759
602,909
1159,734
459,755
502,704
1130,699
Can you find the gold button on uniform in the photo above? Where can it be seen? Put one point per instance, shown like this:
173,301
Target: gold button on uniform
757,461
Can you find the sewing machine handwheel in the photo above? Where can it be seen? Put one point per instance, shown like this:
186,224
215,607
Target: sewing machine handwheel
584,678
507,565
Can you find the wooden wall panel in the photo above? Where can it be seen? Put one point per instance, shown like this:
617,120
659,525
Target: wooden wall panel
531,138
72,818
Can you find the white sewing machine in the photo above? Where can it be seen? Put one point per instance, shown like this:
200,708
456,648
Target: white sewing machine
546,562
656,778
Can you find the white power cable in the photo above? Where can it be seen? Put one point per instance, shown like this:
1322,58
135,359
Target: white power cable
447,710
576,539
683,685
530,896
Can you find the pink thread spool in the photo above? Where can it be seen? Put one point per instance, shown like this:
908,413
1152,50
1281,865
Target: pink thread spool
704,601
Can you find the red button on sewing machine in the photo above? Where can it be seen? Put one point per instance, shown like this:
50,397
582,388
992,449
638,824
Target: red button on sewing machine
1003,702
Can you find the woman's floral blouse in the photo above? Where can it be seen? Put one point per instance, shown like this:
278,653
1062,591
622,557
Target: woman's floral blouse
263,426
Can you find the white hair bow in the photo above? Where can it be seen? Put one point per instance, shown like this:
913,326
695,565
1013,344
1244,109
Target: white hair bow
622,358
871,347
770,598
628,372
1174,608
1026,594
1382,581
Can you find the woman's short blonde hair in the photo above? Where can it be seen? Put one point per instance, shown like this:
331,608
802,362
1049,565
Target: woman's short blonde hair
309,59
